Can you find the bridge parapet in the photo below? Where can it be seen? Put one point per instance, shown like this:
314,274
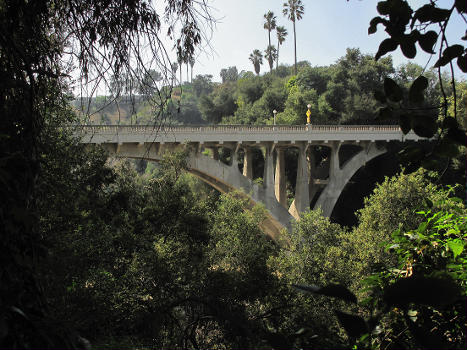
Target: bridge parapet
242,133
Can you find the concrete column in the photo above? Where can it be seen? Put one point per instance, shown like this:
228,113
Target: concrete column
302,192
248,163
311,171
215,153
334,161
279,183
234,156
195,149
268,176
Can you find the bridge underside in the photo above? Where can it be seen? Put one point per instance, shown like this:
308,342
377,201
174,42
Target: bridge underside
323,170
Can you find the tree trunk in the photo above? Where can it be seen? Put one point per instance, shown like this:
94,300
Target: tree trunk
277,58
295,46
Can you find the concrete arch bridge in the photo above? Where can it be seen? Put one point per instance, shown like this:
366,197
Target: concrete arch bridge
328,157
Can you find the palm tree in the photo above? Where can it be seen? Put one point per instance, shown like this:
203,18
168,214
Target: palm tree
257,59
174,71
271,55
270,24
180,62
192,63
293,10
281,34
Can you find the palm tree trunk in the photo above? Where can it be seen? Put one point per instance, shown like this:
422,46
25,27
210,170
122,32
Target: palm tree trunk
277,58
295,46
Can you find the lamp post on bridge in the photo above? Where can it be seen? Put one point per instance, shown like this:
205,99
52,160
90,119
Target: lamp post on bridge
308,114
274,112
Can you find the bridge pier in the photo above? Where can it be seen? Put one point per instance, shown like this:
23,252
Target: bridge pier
268,176
302,186
215,153
279,180
248,163
234,150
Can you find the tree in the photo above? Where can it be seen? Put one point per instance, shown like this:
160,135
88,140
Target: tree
271,55
390,207
257,59
309,258
431,258
281,34
229,74
148,85
180,61
202,85
174,67
293,10
40,40
270,24
192,63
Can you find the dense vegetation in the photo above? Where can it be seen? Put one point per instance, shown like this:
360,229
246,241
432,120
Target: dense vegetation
99,252
341,93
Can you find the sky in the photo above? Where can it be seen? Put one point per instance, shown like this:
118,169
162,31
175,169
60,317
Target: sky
326,30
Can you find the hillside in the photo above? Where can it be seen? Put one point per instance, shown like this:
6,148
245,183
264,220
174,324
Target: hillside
340,93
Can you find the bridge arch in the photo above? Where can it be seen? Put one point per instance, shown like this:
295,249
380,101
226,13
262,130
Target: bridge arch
224,178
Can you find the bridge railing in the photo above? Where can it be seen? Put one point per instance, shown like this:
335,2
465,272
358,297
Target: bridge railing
150,129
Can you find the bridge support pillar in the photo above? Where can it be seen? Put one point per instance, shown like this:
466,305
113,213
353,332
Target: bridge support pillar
268,176
215,153
234,156
334,161
312,172
302,191
248,163
279,183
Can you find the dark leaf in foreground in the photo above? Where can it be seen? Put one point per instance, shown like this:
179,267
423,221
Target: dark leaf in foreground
427,41
355,326
417,88
449,54
386,46
392,90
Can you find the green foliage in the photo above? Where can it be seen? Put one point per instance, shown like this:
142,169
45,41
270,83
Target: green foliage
250,89
229,74
389,208
296,107
202,85
413,299
427,284
308,260
218,104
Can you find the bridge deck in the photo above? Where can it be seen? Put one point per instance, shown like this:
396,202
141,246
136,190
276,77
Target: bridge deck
241,133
